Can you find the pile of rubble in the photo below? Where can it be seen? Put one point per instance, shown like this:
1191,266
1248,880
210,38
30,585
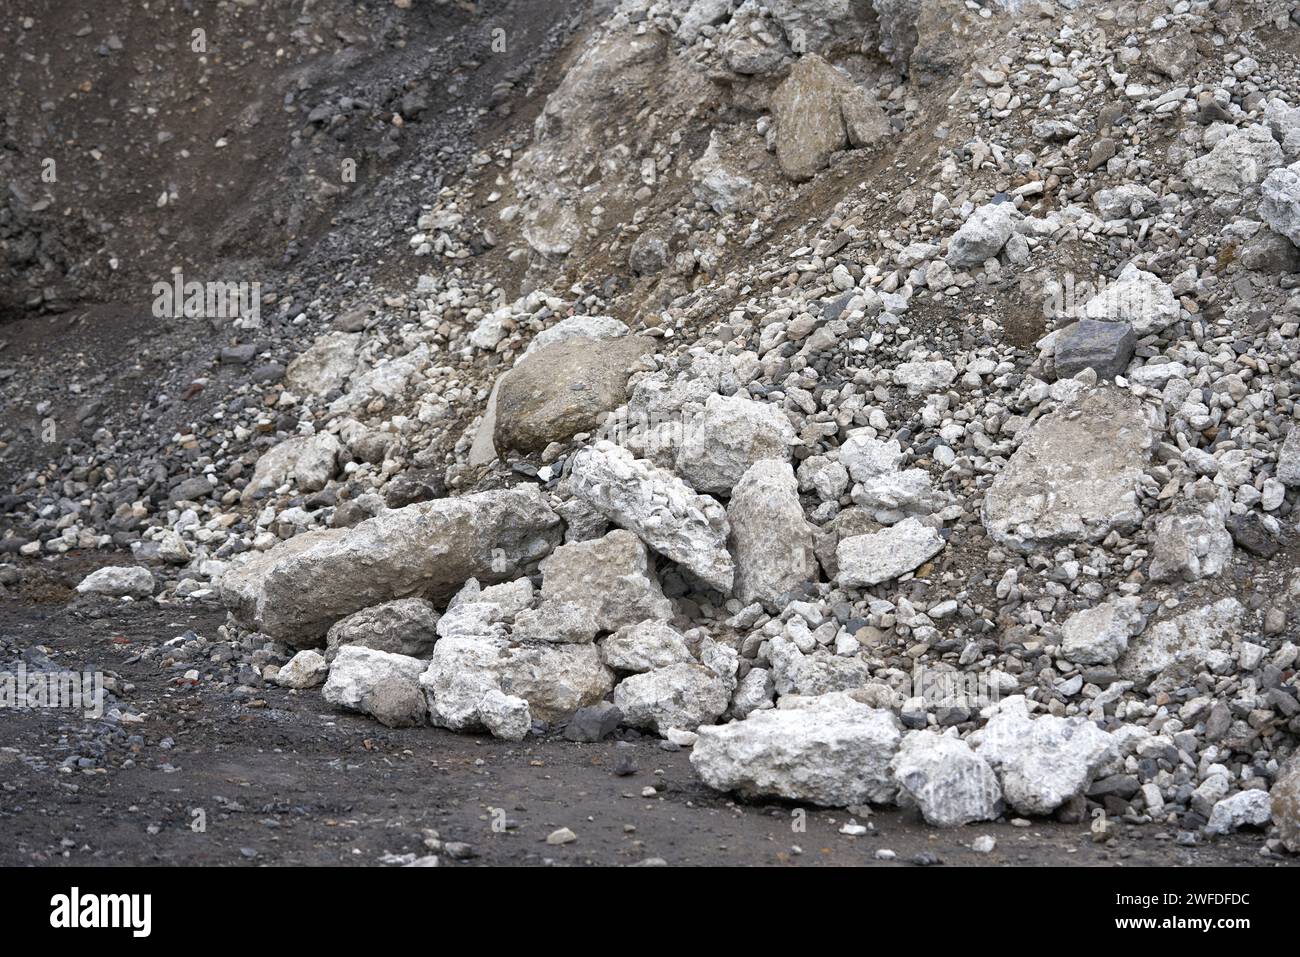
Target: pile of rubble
957,350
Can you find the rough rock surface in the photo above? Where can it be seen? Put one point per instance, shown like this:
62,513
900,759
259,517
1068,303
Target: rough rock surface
1076,475
1187,637
727,437
118,581
678,523
819,110
682,695
770,537
610,576
828,750
866,560
306,669
950,783
1099,635
296,590
407,626
382,685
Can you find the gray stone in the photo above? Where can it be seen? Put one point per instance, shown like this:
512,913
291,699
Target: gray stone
296,590
382,685
828,750
594,723
1184,639
1099,635
770,538
324,367
682,696
1139,298
950,783
1076,475
1288,459
819,110
1106,347
118,581
865,560
982,236
727,437
610,577
306,669
645,646
310,461
1190,544
1244,809
406,626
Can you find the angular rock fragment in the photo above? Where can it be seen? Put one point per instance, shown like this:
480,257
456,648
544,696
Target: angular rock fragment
1183,639
309,460
407,626
382,685
1190,544
770,538
827,750
1250,808
1105,347
866,560
645,646
819,110
1141,299
666,514
306,669
682,696
1076,475
982,236
950,783
727,437
296,590
609,577
1099,635
118,581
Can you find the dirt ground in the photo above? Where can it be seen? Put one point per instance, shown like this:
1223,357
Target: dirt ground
283,778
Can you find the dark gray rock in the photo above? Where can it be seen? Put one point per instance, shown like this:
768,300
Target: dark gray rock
1251,535
1106,347
592,724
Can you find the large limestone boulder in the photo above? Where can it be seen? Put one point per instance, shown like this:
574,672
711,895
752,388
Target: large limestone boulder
1044,761
682,696
819,110
382,685
564,388
609,577
770,538
727,437
296,590
1185,639
406,626
1075,477
324,367
946,780
828,750
662,510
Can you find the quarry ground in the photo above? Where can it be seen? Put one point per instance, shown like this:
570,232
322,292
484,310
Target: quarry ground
284,779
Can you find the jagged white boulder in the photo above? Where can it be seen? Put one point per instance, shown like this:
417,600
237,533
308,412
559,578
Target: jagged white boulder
118,581
665,513
382,685
610,577
1190,544
1239,160
771,540
1076,475
682,695
309,460
1251,808
729,435
982,236
296,590
1099,635
1142,299
306,669
325,366
1183,639
1044,761
870,559
828,750
866,456
645,646
950,783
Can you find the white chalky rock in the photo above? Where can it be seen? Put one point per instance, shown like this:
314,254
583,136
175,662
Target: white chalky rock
645,646
867,457
118,581
1043,761
950,783
610,577
1238,161
754,691
306,669
1075,477
382,685
1099,635
982,236
1187,638
1288,459
922,377
680,524
565,622
681,696
310,460
296,590
1244,809
866,560
771,540
325,366
827,750
727,437
505,716
1190,545
1280,202
1141,299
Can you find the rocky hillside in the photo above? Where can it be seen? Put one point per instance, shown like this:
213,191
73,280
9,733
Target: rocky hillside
889,401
